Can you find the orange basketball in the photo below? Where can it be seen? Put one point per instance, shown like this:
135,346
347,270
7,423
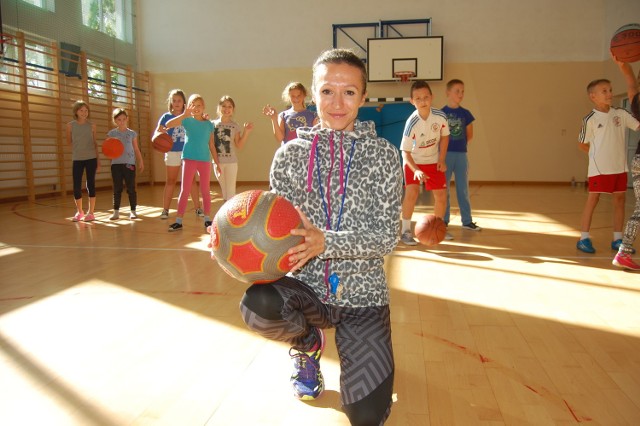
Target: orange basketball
430,230
162,142
112,148
625,43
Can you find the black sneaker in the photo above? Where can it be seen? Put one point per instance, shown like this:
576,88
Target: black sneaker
207,223
175,227
471,226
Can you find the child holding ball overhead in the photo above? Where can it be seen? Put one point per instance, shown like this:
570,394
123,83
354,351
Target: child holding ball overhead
623,258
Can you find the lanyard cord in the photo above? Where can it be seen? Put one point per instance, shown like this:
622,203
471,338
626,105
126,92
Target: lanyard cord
326,202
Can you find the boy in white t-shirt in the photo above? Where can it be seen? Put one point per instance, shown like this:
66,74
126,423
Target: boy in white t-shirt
424,148
602,136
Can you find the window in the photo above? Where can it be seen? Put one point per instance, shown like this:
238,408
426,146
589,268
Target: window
38,63
8,61
96,78
112,17
98,87
119,85
49,5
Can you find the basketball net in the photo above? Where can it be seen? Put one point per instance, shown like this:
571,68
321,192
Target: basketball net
404,76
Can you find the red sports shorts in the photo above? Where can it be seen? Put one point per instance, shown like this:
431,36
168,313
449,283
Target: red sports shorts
435,179
608,184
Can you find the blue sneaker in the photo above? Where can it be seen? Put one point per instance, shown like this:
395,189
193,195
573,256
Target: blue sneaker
585,246
307,379
615,245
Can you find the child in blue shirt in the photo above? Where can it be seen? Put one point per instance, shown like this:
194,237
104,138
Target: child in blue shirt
461,132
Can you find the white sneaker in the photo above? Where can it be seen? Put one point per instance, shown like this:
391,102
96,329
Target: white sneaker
448,236
407,238
164,215
199,212
133,215
115,215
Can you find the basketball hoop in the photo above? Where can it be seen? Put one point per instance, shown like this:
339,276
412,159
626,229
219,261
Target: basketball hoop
404,76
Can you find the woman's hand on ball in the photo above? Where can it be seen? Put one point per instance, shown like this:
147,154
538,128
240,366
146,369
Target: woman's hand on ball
312,246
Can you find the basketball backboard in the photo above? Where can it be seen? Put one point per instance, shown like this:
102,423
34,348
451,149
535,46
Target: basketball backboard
421,55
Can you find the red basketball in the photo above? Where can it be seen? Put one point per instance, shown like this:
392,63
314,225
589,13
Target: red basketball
430,230
625,43
112,148
162,142
250,236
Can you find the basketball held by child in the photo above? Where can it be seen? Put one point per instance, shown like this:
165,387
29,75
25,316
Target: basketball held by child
250,236
112,148
162,142
625,43
430,230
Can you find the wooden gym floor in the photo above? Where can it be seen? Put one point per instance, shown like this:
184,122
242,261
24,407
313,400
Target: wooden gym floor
123,323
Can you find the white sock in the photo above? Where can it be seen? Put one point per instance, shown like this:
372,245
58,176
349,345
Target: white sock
406,225
617,236
584,235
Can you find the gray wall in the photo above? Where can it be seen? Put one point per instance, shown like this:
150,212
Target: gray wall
207,35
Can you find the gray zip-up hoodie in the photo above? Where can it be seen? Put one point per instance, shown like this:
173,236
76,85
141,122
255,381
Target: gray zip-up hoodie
354,179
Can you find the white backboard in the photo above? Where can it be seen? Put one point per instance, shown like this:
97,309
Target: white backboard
422,55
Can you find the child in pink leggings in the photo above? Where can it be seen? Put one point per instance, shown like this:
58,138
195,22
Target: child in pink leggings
196,157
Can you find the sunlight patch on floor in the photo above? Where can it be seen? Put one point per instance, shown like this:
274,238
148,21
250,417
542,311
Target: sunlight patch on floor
466,245
103,346
540,288
201,244
7,250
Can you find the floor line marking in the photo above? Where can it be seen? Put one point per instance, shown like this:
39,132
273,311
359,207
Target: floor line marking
81,247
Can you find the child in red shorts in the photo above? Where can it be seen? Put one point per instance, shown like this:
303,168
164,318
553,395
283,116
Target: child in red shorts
424,148
602,137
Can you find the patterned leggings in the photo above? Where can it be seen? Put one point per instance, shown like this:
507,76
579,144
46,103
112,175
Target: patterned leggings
286,309
631,230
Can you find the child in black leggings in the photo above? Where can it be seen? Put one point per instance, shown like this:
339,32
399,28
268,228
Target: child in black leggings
123,168
81,135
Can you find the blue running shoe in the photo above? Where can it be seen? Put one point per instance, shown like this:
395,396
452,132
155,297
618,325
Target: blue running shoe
615,245
307,379
585,246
